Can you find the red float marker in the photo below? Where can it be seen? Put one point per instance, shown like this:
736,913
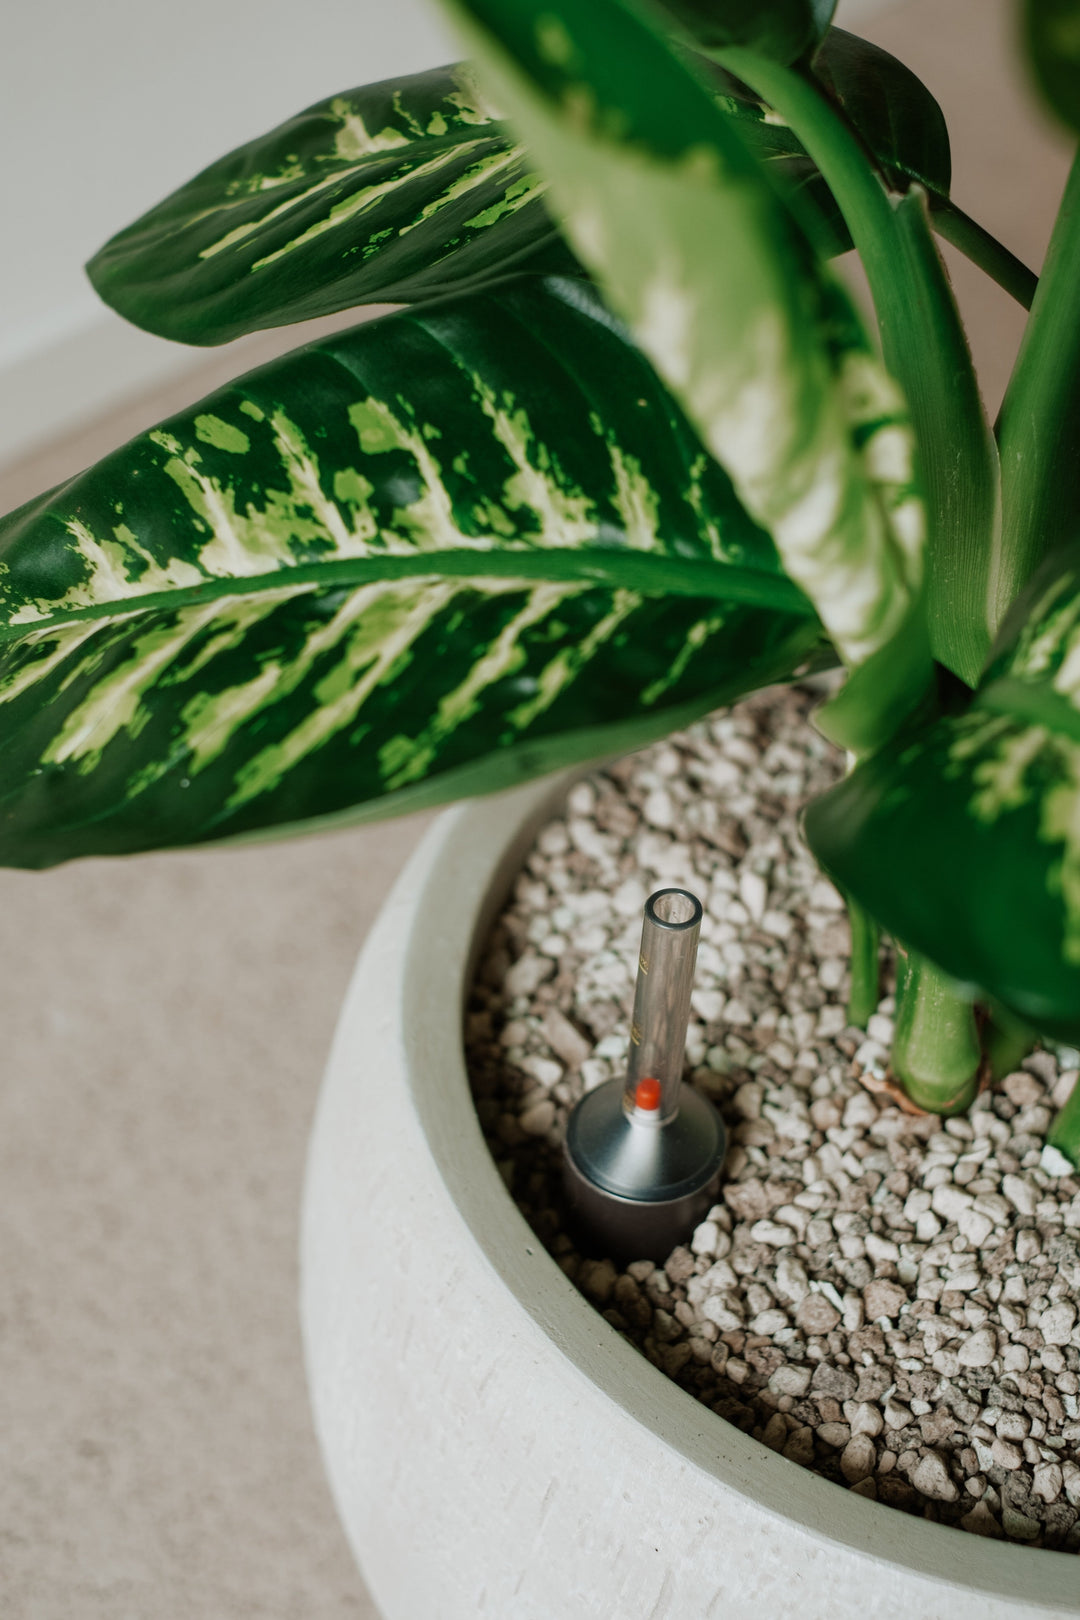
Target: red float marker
647,1095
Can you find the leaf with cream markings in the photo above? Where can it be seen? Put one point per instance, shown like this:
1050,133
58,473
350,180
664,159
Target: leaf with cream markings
393,193
436,554
663,201
963,837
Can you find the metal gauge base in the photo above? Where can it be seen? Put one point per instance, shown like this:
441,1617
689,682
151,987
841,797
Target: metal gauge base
637,1190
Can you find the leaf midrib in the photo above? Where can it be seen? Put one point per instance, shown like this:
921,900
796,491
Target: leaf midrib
651,575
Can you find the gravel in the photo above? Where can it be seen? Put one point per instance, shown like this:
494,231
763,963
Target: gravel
884,1298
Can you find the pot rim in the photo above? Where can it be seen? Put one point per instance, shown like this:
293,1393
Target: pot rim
461,873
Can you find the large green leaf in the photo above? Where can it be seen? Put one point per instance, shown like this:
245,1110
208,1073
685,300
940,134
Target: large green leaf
891,108
435,554
893,111
782,29
392,193
1052,31
398,192
664,202
964,838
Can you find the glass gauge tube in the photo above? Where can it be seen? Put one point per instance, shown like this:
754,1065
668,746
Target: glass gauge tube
642,1156
669,941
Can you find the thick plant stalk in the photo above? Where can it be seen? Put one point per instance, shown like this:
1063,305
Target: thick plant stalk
925,349
1006,1043
865,972
936,1052
1064,1133
1040,415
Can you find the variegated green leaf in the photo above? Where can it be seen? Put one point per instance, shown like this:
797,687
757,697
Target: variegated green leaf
964,838
432,555
662,200
397,192
393,193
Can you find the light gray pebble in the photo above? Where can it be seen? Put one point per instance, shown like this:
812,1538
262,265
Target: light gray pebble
538,1119
993,1205
867,1419
772,1232
975,1226
753,892
1022,1195
725,1310
527,974
834,1434
1028,1246
545,1070
950,1202
1006,1454
565,1041
897,1416
883,1298
815,1315
1047,1481
930,1476
791,1279
769,1322
858,1458
978,1350
707,1239
1056,1323
790,1380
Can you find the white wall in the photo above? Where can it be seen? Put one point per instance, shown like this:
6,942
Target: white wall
105,107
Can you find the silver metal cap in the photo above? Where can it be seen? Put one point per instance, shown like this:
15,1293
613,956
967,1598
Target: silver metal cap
637,1188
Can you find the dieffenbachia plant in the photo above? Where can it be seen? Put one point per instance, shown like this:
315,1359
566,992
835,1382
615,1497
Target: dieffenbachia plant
627,453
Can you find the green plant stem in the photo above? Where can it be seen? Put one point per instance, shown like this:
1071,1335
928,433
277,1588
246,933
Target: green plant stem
925,349
881,693
936,1052
1040,417
865,973
1064,1133
976,244
1006,1043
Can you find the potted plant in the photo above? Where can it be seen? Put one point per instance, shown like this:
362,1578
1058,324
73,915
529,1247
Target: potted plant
628,453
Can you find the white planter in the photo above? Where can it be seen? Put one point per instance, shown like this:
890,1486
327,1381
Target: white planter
494,1447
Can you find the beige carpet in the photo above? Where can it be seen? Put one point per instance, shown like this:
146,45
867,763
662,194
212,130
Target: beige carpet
164,1023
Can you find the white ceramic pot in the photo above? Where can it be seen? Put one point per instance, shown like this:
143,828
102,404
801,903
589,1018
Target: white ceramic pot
494,1447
